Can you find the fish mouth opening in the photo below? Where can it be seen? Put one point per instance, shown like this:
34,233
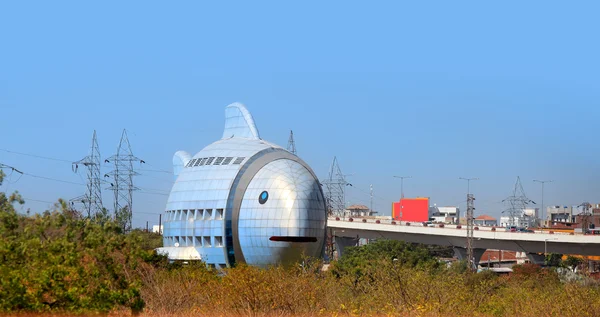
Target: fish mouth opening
293,239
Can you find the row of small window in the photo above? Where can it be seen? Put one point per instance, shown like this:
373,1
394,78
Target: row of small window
198,241
194,214
214,161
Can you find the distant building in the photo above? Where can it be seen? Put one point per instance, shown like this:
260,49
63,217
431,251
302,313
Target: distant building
157,229
562,214
485,221
588,220
242,199
502,258
522,221
411,209
529,217
359,211
532,212
444,214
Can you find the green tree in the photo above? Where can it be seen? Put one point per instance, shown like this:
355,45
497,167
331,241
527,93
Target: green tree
572,262
553,259
59,261
362,259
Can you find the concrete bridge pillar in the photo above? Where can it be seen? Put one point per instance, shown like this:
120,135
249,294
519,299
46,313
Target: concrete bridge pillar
341,243
461,254
536,258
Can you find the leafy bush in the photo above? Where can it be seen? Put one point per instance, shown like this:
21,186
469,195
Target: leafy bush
59,261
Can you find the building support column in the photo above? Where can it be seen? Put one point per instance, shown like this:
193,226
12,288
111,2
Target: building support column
461,254
341,243
536,258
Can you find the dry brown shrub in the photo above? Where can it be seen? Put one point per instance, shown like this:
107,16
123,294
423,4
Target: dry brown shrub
389,290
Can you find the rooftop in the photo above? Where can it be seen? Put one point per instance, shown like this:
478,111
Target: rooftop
358,207
485,217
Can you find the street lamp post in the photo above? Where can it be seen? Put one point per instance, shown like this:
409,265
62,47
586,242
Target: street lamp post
402,184
469,182
543,182
468,191
546,250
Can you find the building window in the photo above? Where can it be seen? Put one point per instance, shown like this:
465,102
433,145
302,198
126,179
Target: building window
191,162
218,242
219,215
210,160
190,241
197,162
197,241
198,214
227,161
206,242
238,160
190,215
208,214
219,160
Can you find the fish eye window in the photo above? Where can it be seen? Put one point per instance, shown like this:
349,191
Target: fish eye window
264,196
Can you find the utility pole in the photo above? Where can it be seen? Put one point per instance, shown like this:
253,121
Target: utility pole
469,182
402,184
470,212
468,192
371,208
543,210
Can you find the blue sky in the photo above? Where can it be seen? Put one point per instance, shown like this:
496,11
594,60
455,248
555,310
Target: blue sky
436,90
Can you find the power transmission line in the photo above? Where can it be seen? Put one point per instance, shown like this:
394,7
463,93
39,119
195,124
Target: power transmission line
517,203
92,199
53,179
36,156
291,146
122,185
335,190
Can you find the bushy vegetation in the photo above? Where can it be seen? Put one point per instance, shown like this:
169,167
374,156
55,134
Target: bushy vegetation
59,262
392,289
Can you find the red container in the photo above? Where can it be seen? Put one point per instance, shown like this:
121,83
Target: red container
411,209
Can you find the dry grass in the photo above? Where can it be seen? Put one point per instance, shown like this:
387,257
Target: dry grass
387,291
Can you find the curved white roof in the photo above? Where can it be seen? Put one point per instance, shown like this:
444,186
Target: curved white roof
208,184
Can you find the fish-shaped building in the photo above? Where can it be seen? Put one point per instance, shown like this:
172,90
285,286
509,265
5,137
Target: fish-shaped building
243,200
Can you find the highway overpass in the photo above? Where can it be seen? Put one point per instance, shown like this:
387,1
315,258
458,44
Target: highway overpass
535,244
